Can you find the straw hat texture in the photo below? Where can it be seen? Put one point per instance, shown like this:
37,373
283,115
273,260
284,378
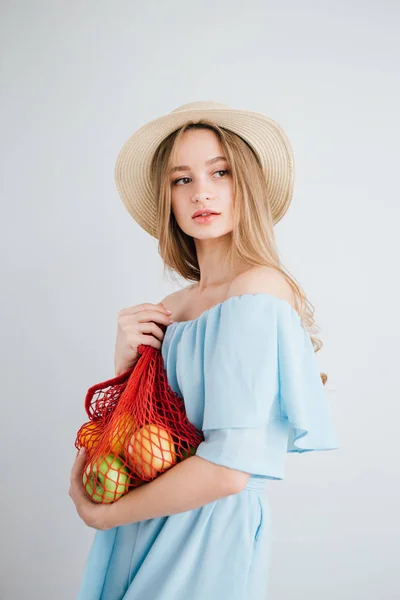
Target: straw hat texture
265,136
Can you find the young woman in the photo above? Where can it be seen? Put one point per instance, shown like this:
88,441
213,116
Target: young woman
209,183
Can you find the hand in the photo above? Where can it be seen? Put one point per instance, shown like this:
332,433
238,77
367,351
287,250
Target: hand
93,514
136,326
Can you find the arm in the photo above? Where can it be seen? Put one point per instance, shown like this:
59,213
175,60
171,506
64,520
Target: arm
188,485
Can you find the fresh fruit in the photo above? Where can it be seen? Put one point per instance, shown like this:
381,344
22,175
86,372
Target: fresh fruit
89,435
121,431
135,481
191,452
106,479
150,451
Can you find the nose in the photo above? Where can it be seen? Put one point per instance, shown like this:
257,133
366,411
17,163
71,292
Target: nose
201,197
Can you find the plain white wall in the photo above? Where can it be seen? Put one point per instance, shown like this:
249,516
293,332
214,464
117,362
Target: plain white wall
77,79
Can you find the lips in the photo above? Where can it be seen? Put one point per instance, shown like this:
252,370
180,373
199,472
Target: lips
204,212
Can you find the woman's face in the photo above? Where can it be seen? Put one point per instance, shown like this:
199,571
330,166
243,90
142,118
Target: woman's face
201,185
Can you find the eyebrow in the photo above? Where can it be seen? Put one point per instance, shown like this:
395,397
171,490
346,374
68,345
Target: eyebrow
211,161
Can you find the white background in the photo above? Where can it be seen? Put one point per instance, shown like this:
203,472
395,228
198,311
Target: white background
77,79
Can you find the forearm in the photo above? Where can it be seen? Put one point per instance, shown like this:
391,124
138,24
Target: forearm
188,485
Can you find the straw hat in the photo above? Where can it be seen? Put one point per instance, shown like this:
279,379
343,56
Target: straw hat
132,170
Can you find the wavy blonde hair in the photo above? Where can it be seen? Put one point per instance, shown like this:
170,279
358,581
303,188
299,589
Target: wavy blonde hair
253,236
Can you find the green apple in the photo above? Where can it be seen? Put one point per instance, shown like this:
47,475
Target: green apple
106,479
191,452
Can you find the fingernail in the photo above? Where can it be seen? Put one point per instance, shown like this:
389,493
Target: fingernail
81,451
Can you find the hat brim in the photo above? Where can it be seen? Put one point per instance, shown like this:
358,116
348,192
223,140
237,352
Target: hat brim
265,136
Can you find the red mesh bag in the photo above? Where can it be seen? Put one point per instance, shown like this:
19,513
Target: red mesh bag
137,429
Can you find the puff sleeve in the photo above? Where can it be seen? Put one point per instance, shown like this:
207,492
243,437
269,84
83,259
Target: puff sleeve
263,394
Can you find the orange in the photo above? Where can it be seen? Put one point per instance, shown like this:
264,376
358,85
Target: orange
89,434
121,431
151,450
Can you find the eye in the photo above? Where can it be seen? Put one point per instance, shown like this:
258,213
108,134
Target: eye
176,180
182,178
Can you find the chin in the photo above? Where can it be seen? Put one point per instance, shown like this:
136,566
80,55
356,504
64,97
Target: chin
209,235
207,232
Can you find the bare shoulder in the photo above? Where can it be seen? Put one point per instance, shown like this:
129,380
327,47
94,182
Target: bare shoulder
262,280
175,300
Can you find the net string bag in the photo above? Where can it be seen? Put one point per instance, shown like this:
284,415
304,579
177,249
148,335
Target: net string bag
137,429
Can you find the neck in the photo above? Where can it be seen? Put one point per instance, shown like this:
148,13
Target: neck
216,271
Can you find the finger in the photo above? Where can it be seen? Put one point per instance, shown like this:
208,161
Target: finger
78,465
151,328
149,340
130,323
146,316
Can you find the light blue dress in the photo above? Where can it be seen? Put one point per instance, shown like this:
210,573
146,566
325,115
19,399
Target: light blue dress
247,371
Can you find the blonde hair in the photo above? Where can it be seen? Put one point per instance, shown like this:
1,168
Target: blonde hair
253,236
